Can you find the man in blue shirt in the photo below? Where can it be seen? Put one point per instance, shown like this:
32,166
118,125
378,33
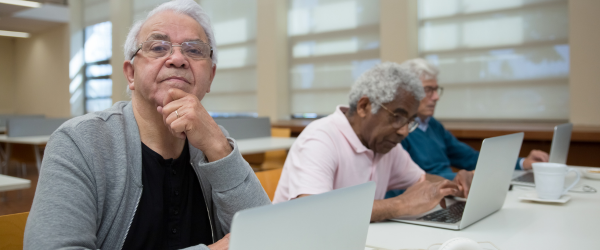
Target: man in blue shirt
433,147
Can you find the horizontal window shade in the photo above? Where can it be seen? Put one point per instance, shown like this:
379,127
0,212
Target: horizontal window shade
233,89
513,27
336,75
429,9
230,103
319,102
329,53
498,59
238,80
550,61
521,101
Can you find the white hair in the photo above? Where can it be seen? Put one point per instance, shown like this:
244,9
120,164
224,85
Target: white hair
381,84
422,68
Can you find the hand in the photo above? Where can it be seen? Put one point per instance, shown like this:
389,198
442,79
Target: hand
463,179
535,156
424,196
222,244
193,121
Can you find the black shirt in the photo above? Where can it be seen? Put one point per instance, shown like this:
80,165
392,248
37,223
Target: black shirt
171,213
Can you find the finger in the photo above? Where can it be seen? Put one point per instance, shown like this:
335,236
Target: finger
175,94
466,189
172,106
443,203
178,128
446,191
447,184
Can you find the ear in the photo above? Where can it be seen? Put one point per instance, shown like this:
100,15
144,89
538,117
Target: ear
212,76
363,107
129,72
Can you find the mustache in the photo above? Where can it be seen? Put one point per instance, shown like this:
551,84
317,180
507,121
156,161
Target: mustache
175,75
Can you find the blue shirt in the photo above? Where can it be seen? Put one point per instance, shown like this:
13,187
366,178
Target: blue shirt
435,149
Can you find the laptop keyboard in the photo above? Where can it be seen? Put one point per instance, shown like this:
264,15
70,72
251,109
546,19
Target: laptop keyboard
451,214
527,178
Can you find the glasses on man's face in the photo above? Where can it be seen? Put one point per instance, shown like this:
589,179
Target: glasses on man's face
158,49
430,90
401,121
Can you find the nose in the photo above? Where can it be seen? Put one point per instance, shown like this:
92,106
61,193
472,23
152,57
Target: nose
435,96
403,131
176,58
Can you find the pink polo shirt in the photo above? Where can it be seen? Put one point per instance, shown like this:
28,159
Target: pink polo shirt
328,155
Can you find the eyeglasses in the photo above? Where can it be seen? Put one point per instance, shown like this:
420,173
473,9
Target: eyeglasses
401,121
429,91
157,49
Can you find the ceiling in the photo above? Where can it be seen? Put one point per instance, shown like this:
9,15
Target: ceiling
24,19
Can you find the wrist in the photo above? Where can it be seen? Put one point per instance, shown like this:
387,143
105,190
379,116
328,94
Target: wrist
400,207
218,150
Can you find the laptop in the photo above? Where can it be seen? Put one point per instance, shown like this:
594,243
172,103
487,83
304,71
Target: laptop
490,184
558,154
338,219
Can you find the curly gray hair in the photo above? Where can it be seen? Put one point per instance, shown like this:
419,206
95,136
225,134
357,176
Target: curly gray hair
422,68
381,84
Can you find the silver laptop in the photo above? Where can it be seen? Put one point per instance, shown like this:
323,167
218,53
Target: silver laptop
558,153
334,220
490,184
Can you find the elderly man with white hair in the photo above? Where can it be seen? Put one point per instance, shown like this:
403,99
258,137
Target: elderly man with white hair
433,147
153,173
360,143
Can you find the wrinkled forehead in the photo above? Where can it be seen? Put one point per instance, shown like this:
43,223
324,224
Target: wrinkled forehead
173,27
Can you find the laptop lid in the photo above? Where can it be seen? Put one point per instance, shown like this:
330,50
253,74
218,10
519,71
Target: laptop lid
560,143
493,174
338,219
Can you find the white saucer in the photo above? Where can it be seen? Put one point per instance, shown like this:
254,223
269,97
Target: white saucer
532,196
591,173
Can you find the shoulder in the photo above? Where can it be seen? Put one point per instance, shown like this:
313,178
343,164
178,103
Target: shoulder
323,129
96,127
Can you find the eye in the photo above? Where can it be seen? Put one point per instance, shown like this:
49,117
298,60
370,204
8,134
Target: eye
159,48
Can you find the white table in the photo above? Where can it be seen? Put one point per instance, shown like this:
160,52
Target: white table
9,183
36,141
264,144
246,146
518,225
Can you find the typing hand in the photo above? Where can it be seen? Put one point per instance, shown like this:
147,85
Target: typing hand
424,196
185,116
535,156
222,244
463,179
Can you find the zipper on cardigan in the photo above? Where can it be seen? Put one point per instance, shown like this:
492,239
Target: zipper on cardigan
207,210
131,221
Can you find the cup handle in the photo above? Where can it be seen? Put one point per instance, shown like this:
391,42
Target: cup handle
574,182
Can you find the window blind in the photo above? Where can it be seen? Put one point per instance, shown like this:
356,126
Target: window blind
233,90
498,59
332,42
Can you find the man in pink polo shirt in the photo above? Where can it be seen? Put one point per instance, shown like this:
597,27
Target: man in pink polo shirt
359,143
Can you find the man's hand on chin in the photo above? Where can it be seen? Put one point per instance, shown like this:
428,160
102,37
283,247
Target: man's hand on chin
222,244
185,116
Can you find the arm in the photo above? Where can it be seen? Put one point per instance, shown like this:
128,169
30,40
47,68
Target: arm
64,213
460,154
235,187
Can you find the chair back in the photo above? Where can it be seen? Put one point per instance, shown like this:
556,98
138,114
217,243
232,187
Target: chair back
246,127
32,126
4,118
12,230
269,180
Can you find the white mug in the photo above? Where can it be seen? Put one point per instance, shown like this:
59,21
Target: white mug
550,179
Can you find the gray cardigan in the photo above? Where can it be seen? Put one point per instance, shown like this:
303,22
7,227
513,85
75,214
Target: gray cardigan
90,184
